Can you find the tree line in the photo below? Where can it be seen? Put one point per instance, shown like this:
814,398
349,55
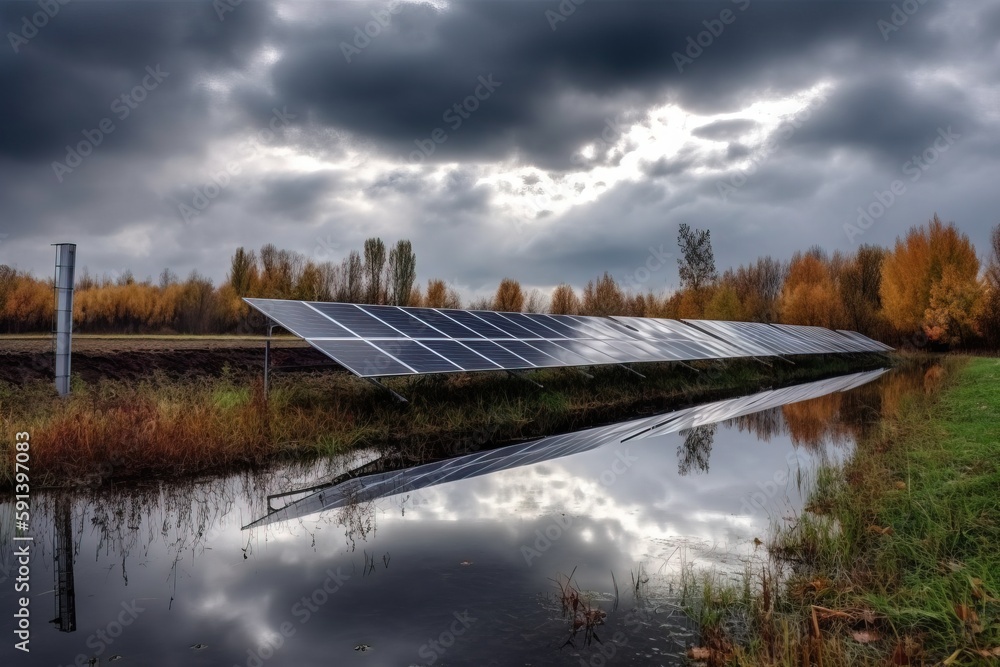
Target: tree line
930,287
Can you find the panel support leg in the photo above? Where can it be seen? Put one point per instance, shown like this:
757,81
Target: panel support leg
378,384
686,365
518,375
632,370
267,360
584,374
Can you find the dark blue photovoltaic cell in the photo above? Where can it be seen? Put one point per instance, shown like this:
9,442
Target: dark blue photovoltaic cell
416,356
298,318
529,352
356,320
576,348
497,354
399,319
461,355
823,337
749,346
535,328
361,358
561,328
442,322
595,327
504,324
478,325
619,356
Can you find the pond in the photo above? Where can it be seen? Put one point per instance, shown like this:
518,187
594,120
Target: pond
459,562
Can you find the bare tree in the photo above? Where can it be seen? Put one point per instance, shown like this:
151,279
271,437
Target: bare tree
242,272
401,273
696,265
374,270
535,303
351,279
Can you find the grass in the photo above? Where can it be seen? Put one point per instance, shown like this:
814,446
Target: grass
161,427
899,560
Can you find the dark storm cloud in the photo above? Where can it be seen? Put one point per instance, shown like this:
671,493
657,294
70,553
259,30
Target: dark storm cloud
69,76
557,88
890,116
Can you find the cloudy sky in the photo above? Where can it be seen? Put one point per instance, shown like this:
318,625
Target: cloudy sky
543,140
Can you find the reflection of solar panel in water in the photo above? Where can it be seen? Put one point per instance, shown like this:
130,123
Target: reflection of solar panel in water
375,341
384,484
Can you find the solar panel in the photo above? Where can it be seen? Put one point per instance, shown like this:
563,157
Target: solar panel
469,319
533,354
820,336
461,355
375,341
440,321
501,357
869,344
355,320
706,345
298,318
404,322
504,324
361,357
416,356
759,337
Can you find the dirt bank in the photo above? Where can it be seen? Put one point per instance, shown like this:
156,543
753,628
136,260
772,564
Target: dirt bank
23,360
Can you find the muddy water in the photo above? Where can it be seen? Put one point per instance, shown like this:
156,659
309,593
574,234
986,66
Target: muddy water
445,564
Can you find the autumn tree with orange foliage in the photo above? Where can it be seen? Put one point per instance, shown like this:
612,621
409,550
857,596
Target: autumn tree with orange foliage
989,316
603,297
26,304
860,284
810,296
930,283
509,298
439,295
564,301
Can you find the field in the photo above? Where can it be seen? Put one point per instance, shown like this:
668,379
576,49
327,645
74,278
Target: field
24,359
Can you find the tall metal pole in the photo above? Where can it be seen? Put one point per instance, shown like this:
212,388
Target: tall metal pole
65,269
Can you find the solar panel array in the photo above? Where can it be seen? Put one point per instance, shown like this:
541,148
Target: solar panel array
377,341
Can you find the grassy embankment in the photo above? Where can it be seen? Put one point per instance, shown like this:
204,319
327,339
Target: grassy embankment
162,427
897,560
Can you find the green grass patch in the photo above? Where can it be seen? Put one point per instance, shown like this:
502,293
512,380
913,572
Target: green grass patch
897,560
